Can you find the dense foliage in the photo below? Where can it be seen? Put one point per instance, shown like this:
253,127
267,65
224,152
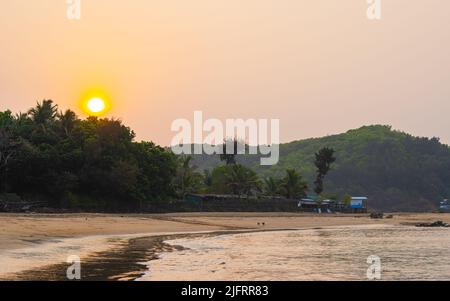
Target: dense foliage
95,164
58,158
395,170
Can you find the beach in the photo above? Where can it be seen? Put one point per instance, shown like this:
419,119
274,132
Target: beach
119,247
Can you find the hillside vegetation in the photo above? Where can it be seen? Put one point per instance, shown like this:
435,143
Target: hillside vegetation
397,171
62,161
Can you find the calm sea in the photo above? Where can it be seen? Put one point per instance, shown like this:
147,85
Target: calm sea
340,253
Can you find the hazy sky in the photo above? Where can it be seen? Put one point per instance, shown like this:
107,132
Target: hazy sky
320,66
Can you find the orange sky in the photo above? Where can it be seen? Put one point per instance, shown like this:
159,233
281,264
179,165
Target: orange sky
320,66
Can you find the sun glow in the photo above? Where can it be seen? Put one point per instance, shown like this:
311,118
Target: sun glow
96,105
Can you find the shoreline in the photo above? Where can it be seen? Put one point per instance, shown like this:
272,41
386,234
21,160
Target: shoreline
131,241
127,261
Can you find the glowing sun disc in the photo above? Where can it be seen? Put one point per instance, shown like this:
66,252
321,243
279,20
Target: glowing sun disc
96,105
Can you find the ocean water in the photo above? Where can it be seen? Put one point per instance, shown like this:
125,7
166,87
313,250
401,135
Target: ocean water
53,251
340,253
58,250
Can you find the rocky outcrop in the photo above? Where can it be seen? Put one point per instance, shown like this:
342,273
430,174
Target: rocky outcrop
434,224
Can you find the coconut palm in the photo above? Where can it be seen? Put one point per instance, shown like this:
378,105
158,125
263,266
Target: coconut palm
188,180
21,118
271,186
242,180
44,113
67,121
292,185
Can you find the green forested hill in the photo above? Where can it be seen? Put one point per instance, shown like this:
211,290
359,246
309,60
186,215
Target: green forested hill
395,170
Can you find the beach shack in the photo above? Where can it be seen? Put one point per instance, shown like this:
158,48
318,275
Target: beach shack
313,204
358,204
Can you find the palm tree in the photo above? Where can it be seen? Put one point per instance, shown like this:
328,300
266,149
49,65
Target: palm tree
44,113
242,180
67,121
21,118
271,186
188,179
229,157
292,185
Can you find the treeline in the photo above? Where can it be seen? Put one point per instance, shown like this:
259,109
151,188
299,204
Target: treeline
54,156
67,162
94,164
236,179
396,170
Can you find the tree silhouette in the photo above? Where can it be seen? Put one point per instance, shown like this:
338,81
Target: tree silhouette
44,113
67,121
94,163
324,159
227,156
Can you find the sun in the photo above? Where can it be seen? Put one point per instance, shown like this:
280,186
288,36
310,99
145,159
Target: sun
95,102
96,105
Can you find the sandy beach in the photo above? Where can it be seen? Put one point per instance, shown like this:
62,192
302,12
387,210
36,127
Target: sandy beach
122,241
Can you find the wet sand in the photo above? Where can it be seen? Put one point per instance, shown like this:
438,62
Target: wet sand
126,261
122,258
